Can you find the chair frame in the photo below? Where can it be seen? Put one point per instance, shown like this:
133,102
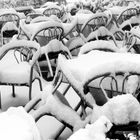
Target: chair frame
17,45
127,14
13,17
53,11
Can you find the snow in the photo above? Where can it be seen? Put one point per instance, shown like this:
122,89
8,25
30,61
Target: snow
9,26
17,72
17,124
93,16
94,131
98,44
78,71
81,70
47,123
120,109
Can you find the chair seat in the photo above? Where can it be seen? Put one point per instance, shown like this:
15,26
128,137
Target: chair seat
17,73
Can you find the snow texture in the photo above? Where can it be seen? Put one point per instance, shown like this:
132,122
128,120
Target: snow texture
120,109
17,124
94,131
97,63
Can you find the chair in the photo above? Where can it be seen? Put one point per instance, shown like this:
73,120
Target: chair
71,119
9,25
51,51
53,10
93,23
49,30
127,14
85,78
44,34
102,33
24,71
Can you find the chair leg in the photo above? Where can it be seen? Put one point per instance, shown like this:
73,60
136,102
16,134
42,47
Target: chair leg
13,91
0,101
30,91
40,84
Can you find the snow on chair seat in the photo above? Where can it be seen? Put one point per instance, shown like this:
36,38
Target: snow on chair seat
22,73
17,124
18,73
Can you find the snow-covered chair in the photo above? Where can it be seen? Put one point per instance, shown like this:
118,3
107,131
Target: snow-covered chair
9,24
24,71
53,103
126,42
53,10
51,51
52,29
46,32
85,73
102,33
127,14
89,31
93,23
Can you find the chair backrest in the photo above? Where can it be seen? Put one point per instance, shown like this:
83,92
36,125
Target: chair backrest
127,14
48,31
25,47
102,33
52,49
94,22
9,17
53,10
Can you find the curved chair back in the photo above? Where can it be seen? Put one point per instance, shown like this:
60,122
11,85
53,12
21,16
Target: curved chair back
127,14
48,31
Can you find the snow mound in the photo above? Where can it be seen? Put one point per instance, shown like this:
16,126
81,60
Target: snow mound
120,109
17,124
95,131
89,66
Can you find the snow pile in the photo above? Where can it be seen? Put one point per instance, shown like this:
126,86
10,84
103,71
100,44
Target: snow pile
9,26
132,84
136,31
120,109
98,45
16,124
95,131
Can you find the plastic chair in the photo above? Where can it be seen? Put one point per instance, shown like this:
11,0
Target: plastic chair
24,71
9,25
